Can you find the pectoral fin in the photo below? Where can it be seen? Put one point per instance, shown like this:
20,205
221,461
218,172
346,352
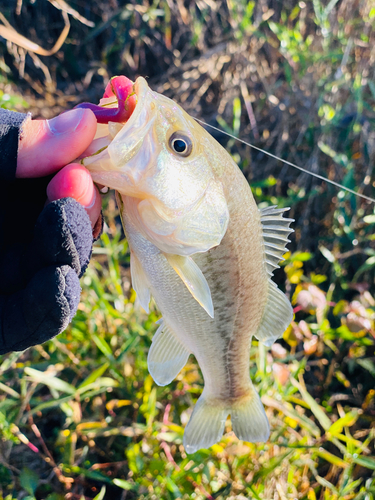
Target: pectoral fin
167,356
139,282
194,280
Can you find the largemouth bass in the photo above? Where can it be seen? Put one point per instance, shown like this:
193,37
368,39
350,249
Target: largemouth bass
200,246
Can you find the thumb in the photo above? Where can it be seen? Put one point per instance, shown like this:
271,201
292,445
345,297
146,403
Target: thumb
48,145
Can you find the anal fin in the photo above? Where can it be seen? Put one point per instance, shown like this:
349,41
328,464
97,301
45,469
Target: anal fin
167,356
194,280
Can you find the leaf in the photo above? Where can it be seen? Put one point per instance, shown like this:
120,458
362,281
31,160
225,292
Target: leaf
271,466
125,485
327,254
339,158
351,486
317,279
9,390
367,364
236,116
340,307
92,474
329,7
369,219
172,487
102,345
369,264
51,404
101,494
313,405
54,496
99,383
302,420
29,480
9,361
348,440
254,493
367,462
346,421
326,484
50,381
333,459
301,256
94,375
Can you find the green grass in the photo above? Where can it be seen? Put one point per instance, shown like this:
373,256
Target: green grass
105,424
80,417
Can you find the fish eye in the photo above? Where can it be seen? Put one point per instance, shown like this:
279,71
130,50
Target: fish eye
180,144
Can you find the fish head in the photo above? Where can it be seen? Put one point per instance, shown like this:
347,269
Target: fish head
158,158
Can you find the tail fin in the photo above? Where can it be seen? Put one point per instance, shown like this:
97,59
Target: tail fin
249,420
206,424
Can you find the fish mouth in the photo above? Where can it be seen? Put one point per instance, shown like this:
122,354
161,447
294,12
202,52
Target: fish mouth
130,138
121,161
180,204
135,161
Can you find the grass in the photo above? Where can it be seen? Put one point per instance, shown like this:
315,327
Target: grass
79,416
80,413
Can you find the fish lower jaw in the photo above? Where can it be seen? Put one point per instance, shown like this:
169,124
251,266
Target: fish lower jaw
118,181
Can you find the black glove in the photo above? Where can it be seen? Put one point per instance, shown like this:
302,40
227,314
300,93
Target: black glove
43,253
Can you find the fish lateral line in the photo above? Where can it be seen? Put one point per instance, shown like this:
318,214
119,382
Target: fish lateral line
313,174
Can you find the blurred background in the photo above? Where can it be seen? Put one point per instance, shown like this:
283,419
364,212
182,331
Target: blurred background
80,418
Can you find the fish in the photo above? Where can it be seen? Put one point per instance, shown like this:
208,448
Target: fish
201,247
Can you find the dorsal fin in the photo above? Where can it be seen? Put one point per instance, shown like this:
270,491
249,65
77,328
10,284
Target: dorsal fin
278,312
275,235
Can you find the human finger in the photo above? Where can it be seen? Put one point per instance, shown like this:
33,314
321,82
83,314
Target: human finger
74,181
47,145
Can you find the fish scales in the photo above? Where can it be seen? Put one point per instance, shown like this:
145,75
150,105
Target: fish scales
223,351
202,248
236,277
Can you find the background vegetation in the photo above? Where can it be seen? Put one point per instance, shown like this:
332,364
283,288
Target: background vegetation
80,418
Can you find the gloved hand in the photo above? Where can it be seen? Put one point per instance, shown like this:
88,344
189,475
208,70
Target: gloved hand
44,250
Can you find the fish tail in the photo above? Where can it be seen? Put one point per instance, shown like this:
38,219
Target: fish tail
249,420
207,422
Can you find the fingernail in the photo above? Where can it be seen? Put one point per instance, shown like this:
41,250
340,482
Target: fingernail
85,191
67,122
89,204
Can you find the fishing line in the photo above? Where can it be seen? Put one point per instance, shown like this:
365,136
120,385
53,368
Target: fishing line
368,198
